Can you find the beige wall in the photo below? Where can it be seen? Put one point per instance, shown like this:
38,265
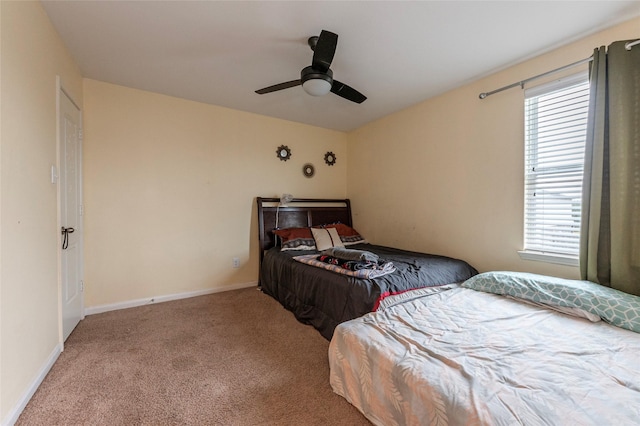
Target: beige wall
32,56
170,189
446,176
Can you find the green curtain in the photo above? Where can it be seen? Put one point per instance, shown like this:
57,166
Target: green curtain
610,233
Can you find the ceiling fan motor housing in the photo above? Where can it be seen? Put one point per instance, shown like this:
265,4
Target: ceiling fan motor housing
308,73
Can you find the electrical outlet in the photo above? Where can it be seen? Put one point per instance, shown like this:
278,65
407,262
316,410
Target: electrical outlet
236,262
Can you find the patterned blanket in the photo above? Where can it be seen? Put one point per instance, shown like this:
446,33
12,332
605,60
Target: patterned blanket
358,269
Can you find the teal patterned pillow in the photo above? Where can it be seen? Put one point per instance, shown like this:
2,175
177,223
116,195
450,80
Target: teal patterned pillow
615,307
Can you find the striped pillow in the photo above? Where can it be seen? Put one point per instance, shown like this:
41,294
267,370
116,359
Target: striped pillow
348,235
326,238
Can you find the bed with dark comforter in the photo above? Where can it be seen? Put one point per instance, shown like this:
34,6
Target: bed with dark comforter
325,298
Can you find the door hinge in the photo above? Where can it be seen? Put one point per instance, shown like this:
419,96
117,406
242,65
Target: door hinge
80,134
82,286
81,209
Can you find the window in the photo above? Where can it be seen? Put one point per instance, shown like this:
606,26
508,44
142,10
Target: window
555,132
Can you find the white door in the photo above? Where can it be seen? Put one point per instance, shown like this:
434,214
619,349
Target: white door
70,214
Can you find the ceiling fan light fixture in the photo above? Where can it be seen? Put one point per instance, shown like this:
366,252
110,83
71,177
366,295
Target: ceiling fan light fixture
315,82
317,86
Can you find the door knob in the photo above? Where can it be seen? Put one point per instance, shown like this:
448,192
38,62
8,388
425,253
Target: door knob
65,236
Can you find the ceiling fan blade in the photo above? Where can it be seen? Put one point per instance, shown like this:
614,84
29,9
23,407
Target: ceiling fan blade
281,86
324,51
347,92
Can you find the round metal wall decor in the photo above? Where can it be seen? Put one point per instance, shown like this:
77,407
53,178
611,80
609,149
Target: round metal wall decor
308,170
283,152
330,158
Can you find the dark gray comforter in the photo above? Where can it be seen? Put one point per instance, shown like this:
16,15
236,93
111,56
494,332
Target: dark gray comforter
324,298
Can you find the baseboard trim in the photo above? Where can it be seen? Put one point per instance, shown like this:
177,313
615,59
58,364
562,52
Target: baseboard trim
12,416
166,298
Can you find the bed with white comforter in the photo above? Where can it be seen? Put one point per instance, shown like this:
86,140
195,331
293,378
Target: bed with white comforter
466,356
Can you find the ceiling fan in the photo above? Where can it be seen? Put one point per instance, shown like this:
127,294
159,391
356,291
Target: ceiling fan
317,79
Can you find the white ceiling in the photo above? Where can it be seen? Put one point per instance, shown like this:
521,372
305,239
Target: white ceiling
396,53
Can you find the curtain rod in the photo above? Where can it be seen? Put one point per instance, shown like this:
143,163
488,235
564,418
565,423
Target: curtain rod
535,77
483,95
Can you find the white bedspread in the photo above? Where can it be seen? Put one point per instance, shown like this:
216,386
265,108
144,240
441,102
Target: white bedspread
463,357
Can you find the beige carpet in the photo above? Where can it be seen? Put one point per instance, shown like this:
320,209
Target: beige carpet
232,358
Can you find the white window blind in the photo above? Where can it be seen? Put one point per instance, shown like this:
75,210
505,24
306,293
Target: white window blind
555,132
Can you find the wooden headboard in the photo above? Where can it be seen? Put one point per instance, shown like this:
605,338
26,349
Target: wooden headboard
299,213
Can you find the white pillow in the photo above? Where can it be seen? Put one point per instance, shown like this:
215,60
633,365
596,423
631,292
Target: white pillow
326,238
